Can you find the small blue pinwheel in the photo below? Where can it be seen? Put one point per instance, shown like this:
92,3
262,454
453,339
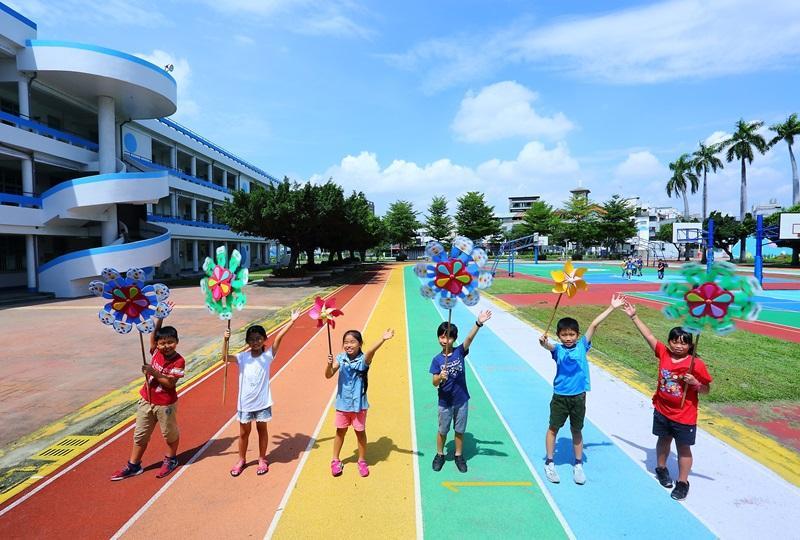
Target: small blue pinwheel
131,301
454,276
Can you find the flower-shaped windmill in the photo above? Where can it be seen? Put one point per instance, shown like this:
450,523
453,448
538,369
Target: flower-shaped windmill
223,288
569,280
711,299
131,302
454,276
325,312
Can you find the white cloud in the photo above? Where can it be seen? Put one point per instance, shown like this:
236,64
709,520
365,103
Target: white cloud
717,137
640,166
504,110
242,39
182,73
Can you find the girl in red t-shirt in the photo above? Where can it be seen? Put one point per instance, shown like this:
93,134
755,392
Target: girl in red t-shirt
673,416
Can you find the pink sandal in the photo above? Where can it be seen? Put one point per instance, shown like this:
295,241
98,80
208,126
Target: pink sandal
236,470
263,466
336,467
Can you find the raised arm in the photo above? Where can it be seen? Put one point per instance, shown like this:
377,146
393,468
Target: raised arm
630,311
389,334
279,337
159,322
331,367
616,301
544,342
483,316
226,347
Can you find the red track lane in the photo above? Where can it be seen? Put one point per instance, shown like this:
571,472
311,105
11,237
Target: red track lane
84,503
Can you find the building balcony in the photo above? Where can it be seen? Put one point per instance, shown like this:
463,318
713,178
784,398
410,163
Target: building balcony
147,164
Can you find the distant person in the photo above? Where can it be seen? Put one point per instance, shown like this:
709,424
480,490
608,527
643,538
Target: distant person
450,378
639,265
624,267
570,386
660,267
158,403
630,268
671,420
351,395
255,401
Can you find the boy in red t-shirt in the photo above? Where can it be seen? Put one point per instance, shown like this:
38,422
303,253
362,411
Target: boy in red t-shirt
670,419
158,403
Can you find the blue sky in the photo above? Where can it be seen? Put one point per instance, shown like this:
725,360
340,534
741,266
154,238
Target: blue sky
407,100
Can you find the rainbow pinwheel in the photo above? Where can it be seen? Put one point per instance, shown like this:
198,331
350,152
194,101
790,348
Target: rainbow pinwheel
569,280
131,302
454,276
712,299
325,312
224,283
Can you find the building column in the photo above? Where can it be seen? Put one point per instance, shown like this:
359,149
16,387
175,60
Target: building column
194,210
211,212
225,178
195,256
106,129
193,166
211,172
27,176
149,208
211,250
173,157
30,261
173,204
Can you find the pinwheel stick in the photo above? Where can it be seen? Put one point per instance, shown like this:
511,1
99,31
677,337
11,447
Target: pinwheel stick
447,339
225,365
553,316
691,366
330,348
144,363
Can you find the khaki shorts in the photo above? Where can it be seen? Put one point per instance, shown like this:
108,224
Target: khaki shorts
147,415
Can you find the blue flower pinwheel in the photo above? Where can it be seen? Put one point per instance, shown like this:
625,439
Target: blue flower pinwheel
454,275
131,302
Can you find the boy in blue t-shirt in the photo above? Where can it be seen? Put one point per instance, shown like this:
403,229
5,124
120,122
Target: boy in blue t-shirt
570,387
449,377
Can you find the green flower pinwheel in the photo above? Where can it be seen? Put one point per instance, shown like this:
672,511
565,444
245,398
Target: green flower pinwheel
224,283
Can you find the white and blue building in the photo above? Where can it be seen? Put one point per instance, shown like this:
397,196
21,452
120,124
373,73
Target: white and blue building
94,174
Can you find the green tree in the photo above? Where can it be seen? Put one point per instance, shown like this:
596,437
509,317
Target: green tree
727,231
786,132
364,229
705,159
539,218
774,221
618,222
580,223
682,179
438,224
475,218
401,223
330,219
518,230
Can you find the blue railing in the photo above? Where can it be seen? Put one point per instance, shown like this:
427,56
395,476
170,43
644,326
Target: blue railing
21,200
41,129
190,223
205,142
175,172
21,18
139,244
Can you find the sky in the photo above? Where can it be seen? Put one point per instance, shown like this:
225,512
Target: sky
408,100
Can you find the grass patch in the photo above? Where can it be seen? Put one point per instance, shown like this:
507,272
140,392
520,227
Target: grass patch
745,366
518,286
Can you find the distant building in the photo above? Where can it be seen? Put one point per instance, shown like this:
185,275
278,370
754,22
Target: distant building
517,206
767,209
649,220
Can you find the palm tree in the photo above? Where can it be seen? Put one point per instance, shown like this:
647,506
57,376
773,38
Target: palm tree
682,178
786,132
740,146
705,159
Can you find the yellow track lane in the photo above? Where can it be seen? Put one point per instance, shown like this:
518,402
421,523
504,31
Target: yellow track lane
383,504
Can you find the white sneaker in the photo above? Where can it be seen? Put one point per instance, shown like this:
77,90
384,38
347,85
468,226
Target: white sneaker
578,475
551,473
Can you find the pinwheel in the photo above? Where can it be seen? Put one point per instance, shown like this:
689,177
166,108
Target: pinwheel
454,276
131,302
711,299
325,312
223,288
569,281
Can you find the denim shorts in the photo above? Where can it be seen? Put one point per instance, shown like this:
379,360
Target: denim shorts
684,434
457,416
264,415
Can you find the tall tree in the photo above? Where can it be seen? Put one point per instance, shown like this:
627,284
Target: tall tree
618,223
475,219
401,223
786,132
539,218
438,224
580,224
727,231
740,146
683,178
705,159
365,230
330,218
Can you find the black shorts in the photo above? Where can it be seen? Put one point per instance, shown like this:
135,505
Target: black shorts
573,407
684,434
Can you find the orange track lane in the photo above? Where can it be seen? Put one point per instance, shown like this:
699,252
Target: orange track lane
206,501
84,503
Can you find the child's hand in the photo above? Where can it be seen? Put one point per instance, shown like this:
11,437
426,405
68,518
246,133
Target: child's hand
618,300
443,373
171,304
543,340
389,334
330,359
691,379
227,335
295,314
484,316
629,309
147,369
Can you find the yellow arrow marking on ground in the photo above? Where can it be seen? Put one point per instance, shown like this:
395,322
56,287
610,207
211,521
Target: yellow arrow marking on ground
453,486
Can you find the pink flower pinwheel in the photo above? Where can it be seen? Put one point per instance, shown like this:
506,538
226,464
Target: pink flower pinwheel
220,282
452,276
708,299
324,312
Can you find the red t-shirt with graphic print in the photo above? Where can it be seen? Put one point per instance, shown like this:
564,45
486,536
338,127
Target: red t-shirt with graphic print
667,399
172,367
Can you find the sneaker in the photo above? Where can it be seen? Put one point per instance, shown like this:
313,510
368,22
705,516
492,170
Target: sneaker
167,466
127,471
681,490
578,474
662,474
363,470
336,467
551,473
461,463
438,462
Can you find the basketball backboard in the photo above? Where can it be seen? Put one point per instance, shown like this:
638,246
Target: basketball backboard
687,233
790,226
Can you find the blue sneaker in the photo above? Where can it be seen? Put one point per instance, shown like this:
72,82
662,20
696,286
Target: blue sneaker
130,469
